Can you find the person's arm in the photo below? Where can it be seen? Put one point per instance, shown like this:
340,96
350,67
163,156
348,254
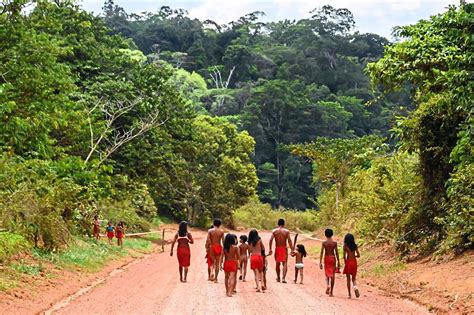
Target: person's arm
172,244
321,256
337,257
293,254
222,239
270,244
238,254
290,243
208,241
357,253
221,260
190,237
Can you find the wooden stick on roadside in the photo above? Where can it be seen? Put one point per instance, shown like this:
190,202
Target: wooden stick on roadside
163,241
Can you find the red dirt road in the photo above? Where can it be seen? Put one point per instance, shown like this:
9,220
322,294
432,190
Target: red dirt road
151,286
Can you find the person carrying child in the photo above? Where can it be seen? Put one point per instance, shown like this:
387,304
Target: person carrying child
243,249
110,232
183,252
119,233
96,229
299,266
230,259
351,253
256,259
331,256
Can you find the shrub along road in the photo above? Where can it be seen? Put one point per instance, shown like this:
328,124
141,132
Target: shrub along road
151,286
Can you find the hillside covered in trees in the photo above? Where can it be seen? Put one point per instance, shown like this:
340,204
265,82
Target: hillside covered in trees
130,115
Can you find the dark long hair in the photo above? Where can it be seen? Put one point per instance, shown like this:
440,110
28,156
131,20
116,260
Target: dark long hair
183,229
350,242
229,240
253,237
301,249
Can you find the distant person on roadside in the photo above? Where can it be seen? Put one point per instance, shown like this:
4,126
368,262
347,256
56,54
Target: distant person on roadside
96,228
243,249
183,252
282,238
230,259
257,262
120,233
215,239
330,253
351,253
299,266
110,232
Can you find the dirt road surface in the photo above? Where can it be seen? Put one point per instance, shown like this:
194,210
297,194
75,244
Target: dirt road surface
151,286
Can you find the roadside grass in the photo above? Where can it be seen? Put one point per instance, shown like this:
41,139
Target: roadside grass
159,220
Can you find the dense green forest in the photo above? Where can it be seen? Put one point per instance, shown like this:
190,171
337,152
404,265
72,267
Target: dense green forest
133,115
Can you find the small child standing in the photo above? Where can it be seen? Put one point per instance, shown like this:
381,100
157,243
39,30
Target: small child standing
243,248
119,233
331,254
299,266
231,257
110,231
96,230
351,253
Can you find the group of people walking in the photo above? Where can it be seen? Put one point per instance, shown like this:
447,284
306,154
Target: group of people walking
227,253
111,231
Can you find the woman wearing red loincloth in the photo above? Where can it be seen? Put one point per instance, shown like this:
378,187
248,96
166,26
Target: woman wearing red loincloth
183,252
256,259
230,266
351,253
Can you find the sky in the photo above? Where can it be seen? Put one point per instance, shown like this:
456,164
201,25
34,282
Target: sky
372,16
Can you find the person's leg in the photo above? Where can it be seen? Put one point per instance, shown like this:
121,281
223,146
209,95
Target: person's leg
349,284
277,269
301,275
296,274
257,279
226,282
356,289
231,283
285,271
327,285
264,280
208,273
180,273
245,269
216,268
333,280
234,289
186,273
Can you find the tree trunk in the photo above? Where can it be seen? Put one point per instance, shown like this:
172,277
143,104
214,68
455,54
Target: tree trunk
338,191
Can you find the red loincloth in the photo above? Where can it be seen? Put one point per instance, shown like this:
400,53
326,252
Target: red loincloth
110,234
330,266
184,256
350,267
256,262
96,229
281,254
216,250
119,235
230,266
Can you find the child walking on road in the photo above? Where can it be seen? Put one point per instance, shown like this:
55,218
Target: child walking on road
299,266
119,233
243,248
351,253
256,259
110,231
231,257
331,255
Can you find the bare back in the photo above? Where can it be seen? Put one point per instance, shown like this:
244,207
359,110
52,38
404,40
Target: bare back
329,248
257,249
215,236
232,254
243,247
281,236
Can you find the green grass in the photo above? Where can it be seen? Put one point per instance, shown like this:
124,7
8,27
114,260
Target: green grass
159,220
29,269
383,269
138,244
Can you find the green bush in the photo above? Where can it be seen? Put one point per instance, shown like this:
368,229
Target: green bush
261,216
12,244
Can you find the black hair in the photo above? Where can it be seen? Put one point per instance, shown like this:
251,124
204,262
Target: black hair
183,229
96,216
281,222
229,240
243,238
350,242
328,233
217,222
301,249
253,237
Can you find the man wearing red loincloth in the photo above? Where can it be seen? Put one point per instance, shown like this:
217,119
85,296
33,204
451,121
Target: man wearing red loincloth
282,238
